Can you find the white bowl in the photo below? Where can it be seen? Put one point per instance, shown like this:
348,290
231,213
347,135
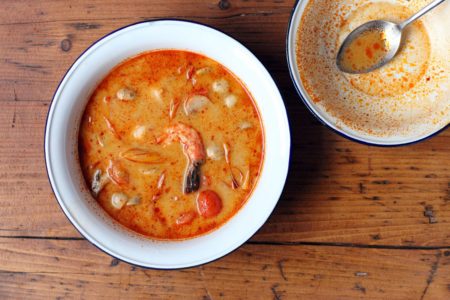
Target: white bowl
61,141
439,37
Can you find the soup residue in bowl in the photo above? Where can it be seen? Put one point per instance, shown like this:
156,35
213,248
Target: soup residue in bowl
365,51
171,144
404,99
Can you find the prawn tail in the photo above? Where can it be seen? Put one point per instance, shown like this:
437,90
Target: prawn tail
192,178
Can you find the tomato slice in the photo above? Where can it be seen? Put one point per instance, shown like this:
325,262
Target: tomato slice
209,204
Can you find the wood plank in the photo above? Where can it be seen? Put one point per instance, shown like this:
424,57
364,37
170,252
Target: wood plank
38,35
21,11
75,269
348,223
27,201
337,191
376,195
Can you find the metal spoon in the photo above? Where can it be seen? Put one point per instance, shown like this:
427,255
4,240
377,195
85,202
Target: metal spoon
393,37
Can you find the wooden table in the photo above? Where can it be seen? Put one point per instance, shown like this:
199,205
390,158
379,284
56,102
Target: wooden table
353,222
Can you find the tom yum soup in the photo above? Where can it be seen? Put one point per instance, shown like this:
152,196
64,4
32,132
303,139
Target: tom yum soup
171,144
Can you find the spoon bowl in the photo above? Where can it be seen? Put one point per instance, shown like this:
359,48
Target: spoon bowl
392,34
387,33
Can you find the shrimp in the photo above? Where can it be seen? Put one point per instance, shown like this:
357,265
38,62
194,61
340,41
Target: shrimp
194,150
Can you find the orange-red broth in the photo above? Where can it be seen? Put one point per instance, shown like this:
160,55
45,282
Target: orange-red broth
139,176
366,50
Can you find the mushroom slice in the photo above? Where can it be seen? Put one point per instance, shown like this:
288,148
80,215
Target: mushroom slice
139,132
214,152
118,200
245,125
230,100
203,71
134,201
143,156
99,181
126,94
220,86
195,103
157,94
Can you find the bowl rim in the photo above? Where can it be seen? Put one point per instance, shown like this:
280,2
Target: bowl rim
310,105
87,236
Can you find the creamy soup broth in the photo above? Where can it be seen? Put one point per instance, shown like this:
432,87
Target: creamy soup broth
171,144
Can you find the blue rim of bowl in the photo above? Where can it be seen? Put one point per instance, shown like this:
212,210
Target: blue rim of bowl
45,154
310,106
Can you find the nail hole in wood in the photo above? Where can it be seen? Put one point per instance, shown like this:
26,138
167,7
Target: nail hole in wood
66,45
224,4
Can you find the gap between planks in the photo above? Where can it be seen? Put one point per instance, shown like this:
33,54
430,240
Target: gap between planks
271,243
153,18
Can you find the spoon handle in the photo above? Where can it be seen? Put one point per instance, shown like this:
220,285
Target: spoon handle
420,13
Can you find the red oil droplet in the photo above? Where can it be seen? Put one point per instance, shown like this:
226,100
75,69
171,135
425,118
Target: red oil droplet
369,53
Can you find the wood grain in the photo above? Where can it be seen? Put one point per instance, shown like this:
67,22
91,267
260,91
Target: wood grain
31,44
353,221
341,193
75,269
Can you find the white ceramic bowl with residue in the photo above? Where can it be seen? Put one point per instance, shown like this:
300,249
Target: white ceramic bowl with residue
404,102
61,138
